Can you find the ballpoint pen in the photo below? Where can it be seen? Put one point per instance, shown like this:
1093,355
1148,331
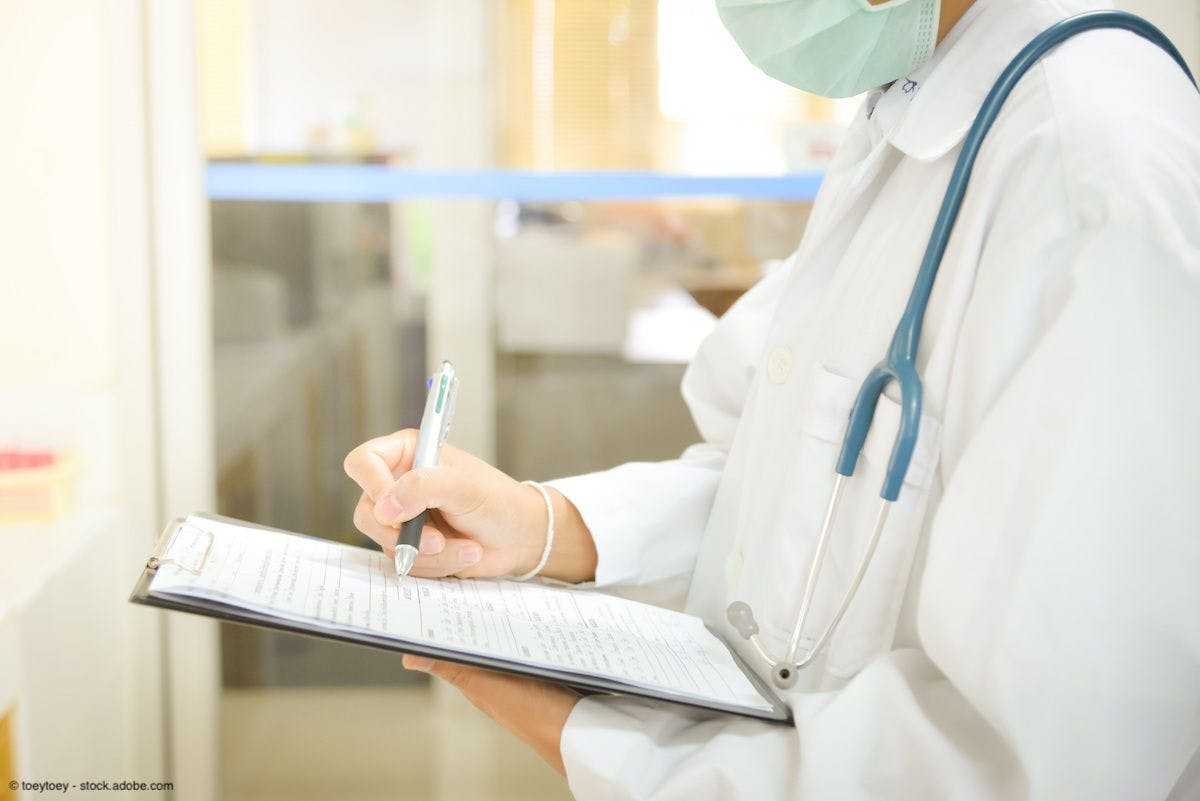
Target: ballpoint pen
435,425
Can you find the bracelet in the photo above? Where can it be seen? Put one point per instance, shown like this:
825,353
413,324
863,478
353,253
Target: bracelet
549,534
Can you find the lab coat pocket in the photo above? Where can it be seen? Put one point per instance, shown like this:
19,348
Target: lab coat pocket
869,625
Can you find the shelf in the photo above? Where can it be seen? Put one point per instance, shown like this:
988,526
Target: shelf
378,183
30,554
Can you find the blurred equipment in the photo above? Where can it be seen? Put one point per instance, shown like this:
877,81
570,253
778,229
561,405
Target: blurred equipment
559,292
249,304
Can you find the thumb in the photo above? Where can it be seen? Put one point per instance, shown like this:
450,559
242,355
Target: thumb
460,676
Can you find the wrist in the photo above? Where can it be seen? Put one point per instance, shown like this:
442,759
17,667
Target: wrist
532,541
573,554
573,558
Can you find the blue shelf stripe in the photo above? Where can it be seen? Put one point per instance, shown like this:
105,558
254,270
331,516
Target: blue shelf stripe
376,183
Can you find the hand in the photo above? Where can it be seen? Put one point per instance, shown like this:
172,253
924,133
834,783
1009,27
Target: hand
535,711
480,521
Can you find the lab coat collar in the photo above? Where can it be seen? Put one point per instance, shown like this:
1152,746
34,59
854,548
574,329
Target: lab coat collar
934,107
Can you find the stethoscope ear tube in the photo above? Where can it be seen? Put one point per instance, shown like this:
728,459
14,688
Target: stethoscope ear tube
900,362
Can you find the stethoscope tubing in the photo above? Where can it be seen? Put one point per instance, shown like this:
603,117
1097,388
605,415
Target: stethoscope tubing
900,363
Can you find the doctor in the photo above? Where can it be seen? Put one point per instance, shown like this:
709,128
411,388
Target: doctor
1029,626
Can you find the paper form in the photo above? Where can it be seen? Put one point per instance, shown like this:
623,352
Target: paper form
329,585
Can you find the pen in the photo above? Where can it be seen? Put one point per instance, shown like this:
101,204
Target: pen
435,425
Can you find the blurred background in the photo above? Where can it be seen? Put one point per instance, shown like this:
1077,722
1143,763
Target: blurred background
237,234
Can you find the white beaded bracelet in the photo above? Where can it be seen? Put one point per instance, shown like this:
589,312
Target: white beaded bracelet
549,534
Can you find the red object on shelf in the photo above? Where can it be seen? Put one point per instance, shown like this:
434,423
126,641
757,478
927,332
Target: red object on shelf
19,460
36,487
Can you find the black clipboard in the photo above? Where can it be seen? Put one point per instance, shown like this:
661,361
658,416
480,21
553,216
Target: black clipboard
583,682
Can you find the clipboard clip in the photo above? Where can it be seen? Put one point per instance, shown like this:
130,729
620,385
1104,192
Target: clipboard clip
166,540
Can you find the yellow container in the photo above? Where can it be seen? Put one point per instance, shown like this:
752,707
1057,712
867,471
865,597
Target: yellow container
38,494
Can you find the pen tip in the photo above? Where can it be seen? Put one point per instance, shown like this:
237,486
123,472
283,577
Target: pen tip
405,556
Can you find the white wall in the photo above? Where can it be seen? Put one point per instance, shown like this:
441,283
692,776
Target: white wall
103,348
181,327
312,62
57,235
74,353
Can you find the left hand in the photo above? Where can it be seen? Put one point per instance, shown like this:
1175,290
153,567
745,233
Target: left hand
533,710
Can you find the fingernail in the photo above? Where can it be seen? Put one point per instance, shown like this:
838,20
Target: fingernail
470,554
432,543
388,509
420,663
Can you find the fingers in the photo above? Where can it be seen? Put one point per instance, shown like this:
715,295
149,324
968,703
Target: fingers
364,521
461,676
432,540
442,487
456,556
438,555
375,464
414,662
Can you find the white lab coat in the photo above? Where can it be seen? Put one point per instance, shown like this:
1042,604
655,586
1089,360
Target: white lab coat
1030,625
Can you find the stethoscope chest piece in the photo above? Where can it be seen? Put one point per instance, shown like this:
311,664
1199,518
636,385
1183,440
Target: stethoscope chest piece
784,676
740,616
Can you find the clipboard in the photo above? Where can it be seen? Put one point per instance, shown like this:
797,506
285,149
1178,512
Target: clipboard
583,682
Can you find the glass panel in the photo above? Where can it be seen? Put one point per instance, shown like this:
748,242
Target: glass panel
311,357
599,307
575,307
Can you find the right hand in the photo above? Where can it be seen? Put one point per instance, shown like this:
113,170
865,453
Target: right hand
480,522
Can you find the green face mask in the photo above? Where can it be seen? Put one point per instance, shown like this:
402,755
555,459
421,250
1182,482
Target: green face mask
834,48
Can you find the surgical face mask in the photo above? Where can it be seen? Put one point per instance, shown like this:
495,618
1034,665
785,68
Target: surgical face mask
834,48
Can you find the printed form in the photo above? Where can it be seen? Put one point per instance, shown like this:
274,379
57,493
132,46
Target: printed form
338,587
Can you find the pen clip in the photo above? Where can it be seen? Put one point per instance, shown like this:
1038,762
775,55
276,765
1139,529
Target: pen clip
448,417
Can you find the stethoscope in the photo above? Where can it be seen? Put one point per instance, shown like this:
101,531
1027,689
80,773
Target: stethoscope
900,363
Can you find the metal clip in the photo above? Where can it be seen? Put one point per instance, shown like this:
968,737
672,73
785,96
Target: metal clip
165,542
